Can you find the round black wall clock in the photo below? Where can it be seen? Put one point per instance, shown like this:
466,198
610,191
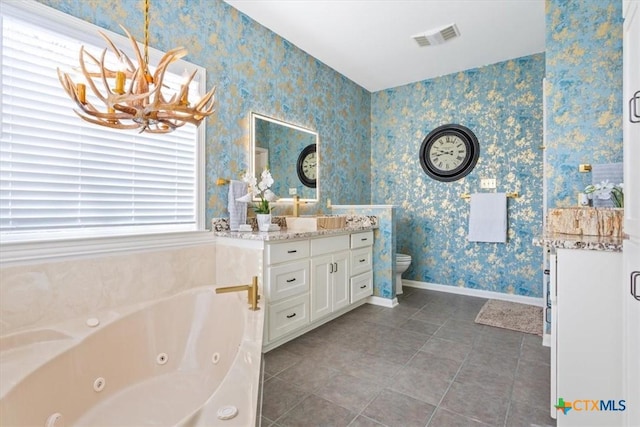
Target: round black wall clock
307,166
449,152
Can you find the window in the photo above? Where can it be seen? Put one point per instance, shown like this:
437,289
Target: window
63,177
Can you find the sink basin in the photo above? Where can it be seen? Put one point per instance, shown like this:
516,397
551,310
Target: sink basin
303,224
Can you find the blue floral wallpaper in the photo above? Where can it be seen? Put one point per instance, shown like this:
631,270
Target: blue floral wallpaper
583,92
502,105
369,142
254,70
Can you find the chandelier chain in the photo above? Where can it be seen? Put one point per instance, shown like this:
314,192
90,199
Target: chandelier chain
146,33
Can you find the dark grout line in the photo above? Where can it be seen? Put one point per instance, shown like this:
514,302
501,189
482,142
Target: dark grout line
515,374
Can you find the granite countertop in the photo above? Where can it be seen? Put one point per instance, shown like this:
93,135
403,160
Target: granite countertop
355,223
576,241
287,235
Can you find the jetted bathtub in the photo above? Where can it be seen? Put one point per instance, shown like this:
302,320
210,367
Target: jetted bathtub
188,360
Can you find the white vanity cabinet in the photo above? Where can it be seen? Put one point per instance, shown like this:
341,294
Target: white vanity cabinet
311,281
286,287
361,262
303,281
586,336
329,275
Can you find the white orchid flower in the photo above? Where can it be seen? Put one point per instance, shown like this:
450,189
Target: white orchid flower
603,191
266,178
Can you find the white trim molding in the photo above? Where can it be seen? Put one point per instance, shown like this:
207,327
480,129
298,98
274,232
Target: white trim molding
383,302
27,252
538,302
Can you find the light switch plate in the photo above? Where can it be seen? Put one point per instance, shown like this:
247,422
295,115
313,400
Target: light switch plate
488,183
293,191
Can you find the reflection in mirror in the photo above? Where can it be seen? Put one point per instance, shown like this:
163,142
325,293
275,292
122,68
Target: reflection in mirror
283,148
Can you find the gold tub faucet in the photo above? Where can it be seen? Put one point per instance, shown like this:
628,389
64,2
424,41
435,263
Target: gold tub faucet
252,292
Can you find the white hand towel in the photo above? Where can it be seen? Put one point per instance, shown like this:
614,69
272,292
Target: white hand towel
237,210
488,218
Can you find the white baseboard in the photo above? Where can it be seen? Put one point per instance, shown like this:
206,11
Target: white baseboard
384,302
539,302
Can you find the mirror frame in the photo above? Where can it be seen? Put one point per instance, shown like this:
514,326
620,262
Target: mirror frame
252,157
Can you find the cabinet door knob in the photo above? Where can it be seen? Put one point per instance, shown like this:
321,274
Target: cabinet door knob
336,269
634,283
291,280
634,112
292,251
290,316
330,268
362,260
363,286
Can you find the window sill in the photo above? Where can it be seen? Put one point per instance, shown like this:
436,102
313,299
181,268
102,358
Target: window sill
55,250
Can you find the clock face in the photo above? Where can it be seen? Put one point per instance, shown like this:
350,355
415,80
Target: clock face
449,152
307,166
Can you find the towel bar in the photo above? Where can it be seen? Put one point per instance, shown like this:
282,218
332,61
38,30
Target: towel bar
513,195
222,181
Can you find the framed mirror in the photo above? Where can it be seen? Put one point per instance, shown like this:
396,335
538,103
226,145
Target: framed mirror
291,154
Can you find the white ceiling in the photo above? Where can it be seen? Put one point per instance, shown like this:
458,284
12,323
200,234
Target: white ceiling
370,42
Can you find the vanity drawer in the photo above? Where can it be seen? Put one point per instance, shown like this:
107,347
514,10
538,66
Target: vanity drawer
289,251
361,286
360,240
288,315
328,245
288,279
361,260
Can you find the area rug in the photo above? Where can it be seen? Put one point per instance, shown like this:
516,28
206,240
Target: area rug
511,315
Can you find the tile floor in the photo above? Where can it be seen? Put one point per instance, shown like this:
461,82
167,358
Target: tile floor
422,363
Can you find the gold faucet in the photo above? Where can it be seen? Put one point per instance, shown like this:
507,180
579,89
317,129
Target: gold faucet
252,292
296,205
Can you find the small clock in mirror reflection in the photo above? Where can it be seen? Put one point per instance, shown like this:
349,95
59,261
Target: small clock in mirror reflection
307,166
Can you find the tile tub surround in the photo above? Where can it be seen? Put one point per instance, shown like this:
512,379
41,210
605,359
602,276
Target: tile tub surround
39,294
423,363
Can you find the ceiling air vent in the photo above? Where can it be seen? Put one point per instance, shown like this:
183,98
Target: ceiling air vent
438,36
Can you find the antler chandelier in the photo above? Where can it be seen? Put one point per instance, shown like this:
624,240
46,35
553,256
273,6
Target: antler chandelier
136,100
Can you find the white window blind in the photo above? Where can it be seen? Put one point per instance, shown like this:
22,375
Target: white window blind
60,173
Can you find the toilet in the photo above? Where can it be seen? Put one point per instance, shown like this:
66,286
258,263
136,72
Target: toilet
403,262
